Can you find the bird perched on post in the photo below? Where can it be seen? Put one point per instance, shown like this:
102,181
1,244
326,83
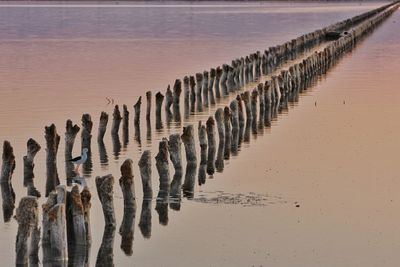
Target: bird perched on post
80,159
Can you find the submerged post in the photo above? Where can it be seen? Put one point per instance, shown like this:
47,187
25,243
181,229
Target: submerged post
102,126
159,101
136,108
176,99
210,127
117,118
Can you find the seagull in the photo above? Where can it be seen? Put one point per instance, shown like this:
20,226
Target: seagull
80,159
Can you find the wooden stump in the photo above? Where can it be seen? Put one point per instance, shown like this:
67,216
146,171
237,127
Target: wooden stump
219,118
105,192
228,132
177,90
117,118
148,107
210,128
136,108
102,126
86,133
205,88
199,80
211,86
52,142
145,173
32,149
159,101
189,143
27,217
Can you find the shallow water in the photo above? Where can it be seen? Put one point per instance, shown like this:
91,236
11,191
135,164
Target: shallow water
336,159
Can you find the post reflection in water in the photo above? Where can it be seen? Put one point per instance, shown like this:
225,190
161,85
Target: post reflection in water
137,134
176,191
116,145
190,179
105,256
127,231
145,218
102,153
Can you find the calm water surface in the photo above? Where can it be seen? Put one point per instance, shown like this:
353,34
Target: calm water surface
337,159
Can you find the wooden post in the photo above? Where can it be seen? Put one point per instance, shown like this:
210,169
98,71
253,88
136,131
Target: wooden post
192,84
54,228
128,191
235,126
32,149
247,104
70,134
218,75
210,127
159,101
145,173
186,95
105,192
199,79
228,132
211,86
224,77
219,162
136,108
219,118
85,199
189,143
102,126
202,134
168,100
52,142
125,125
175,155
176,99
86,133
27,217
163,172
240,111
117,118
148,107
162,164
253,101
205,88
76,227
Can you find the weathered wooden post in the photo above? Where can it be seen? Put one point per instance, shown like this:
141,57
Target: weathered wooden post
148,107
235,126
168,100
159,101
247,104
164,178
211,86
86,133
145,173
219,162
127,184
102,126
116,143
54,238
86,204
52,142
192,84
70,134
202,133
219,118
240,111
176,99
76,227
136,108
189,143
205,88
125,125
105,191
230,83
186,96
27,217
175,156
228,132
32,149
117,118
253,103
218,75
210,127
199,79
224,76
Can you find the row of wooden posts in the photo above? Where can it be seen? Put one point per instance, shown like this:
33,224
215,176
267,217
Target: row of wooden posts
66,214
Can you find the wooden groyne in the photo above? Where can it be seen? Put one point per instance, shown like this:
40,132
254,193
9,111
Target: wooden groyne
65,233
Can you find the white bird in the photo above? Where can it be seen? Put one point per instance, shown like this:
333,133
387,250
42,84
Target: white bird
80,159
